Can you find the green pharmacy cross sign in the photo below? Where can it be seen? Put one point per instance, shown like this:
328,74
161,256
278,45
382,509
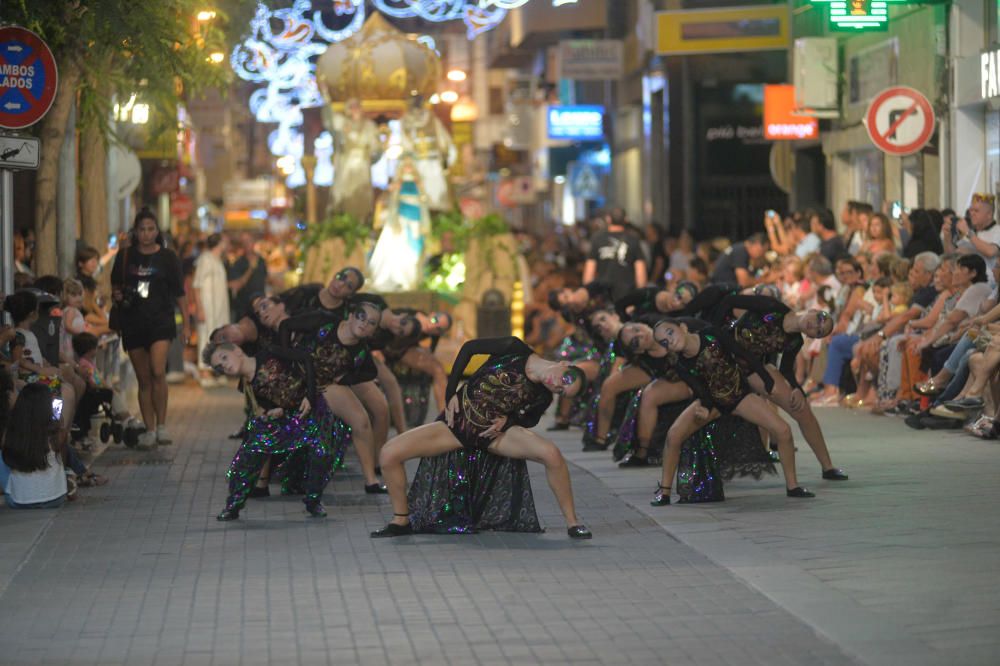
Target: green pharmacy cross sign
859,15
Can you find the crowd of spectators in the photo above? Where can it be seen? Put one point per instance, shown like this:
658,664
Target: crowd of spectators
914,299
112,362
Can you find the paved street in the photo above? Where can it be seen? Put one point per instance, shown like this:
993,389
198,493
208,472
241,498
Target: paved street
896,566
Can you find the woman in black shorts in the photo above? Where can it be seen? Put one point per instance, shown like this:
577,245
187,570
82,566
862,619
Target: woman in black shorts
492,411
147,286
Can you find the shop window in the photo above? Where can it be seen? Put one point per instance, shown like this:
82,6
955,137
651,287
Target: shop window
869,176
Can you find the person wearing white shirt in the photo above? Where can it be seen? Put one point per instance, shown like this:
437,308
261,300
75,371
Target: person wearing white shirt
977,235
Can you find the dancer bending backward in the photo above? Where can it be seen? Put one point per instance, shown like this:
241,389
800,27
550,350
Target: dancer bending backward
334,301
768,327
407,350
648,304
715,368
493,411
663,386
342,359
280,388
392,327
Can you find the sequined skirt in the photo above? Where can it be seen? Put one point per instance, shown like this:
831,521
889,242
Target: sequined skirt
467,491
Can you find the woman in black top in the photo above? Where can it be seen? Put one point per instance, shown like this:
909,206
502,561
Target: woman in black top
147,288
768,328
715,368
491,411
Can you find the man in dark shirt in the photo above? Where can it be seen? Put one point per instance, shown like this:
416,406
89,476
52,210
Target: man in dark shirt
247,277
735,265
616,257
831,245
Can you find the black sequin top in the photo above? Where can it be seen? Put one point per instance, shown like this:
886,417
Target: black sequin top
499,388
760,331
335,362
642,301
283,378
717,374
663,367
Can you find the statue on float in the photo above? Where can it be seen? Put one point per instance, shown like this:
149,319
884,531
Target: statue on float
356,147
398,258
425,138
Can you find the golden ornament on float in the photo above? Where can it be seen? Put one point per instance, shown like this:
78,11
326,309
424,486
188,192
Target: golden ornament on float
379,65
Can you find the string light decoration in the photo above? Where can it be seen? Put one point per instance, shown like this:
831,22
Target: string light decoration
283,44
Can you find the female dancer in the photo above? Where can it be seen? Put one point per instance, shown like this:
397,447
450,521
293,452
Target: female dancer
768,327
280,387
332,298
406,351
713,366
393,326
342,359
491,411
603,326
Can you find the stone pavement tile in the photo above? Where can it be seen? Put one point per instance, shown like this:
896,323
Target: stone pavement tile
877,563
142,573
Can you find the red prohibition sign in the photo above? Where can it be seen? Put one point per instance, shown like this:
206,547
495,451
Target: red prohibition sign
900,121
28,78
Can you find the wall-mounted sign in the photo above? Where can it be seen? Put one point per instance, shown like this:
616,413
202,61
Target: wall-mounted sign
722,30
590,59
577,123
780,120
900,121
859,15
989,79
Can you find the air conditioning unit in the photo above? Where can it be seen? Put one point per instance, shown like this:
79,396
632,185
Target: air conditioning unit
816,77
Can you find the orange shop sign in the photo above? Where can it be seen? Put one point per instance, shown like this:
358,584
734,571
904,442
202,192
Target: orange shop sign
780,121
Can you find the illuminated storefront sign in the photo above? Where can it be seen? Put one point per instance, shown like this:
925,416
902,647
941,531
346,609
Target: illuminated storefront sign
578,123
859,15
989,60
733,29
780,123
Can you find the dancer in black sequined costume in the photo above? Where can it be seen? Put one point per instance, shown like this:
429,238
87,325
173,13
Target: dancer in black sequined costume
492,410
766,329
714,366
341,359
285,416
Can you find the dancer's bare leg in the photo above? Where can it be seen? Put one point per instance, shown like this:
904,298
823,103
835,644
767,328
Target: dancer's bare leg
378,410
799,410
424,361
393,394
754,409
655,395
346,406
691,420
426,441
521,443
627,379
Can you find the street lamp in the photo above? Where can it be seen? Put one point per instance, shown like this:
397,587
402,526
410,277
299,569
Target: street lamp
449,97
205,15
457,75
216,57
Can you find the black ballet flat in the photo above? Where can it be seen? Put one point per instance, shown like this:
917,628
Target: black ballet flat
376,489
316,509
834,474
799,492
634,461
661,497
257,492
228,514
590,445
579,532
557,426
393,530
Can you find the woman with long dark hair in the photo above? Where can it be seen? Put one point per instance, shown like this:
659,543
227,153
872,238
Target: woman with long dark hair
32,473
147,288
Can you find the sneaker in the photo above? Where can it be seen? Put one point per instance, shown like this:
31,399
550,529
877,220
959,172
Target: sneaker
146,441
162,435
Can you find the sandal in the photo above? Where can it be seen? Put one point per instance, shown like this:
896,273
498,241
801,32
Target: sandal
662,495
639,458
91,480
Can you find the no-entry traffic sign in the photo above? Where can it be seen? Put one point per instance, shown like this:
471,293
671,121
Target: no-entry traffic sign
28,78
900,121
